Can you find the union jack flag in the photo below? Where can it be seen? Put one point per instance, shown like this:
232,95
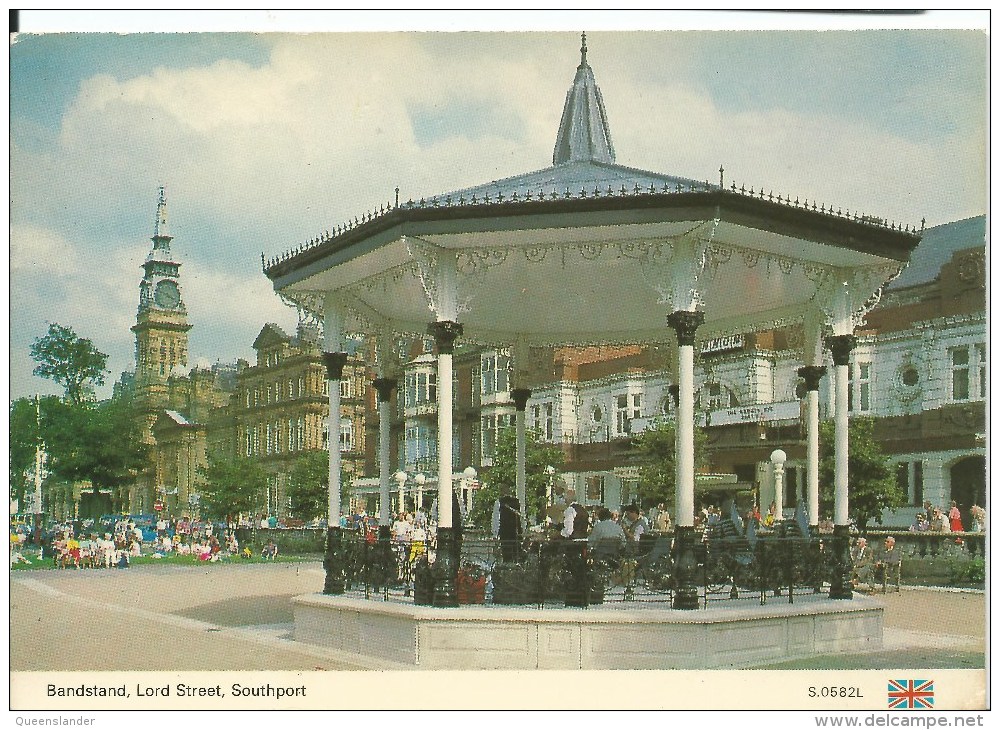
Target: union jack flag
911,694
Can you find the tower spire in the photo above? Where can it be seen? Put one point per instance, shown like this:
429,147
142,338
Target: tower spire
160,226
583,135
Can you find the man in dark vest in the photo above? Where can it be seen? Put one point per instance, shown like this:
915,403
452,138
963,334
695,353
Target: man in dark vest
578,590
508,527
581,522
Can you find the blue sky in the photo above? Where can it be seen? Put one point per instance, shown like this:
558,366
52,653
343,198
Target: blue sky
265,140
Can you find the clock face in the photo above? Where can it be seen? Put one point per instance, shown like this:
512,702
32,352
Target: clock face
167,295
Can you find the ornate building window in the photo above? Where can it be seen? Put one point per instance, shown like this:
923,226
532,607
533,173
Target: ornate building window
346,435
495,373
346,388
859,387
715,395
980,350
420,387
959,359
420,444
626,408
492,423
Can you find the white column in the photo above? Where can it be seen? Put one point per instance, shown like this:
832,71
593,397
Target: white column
685,436
332,344
685,323
812,455
445,518
812,373
520,475
841,346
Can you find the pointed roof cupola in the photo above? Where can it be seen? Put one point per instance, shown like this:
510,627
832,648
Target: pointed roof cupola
584,135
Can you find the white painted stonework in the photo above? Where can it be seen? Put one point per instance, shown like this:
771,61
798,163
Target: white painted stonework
611,636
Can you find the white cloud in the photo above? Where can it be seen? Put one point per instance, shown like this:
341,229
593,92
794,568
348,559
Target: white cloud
261,158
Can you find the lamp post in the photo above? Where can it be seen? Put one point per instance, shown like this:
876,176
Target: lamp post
400,478
470,475
420,481
778,459
550,472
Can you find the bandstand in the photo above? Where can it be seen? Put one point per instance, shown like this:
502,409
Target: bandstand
589,252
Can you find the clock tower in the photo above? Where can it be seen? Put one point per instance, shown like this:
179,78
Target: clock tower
161,326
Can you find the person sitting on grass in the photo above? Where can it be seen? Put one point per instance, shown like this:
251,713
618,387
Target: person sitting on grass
16,556
247,553
270,551
214,549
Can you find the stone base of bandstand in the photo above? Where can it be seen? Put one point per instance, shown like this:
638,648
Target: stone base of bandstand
633,635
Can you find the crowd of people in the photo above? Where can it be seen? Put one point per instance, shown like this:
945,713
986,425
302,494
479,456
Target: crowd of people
116,541
935,519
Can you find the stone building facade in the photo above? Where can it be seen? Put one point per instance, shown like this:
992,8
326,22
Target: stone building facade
920,369
281,404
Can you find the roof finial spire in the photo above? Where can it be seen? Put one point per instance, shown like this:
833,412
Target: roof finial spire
160,226
583,49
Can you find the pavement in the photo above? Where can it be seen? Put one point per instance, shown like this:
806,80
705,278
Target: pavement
238,617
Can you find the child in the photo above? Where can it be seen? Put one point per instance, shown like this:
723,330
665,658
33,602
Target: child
270,551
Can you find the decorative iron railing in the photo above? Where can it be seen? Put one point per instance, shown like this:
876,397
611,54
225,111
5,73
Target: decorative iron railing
575,573
544,195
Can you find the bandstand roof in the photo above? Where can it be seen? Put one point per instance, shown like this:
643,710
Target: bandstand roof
588,251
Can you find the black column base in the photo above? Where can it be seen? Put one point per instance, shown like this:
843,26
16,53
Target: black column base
841,585
385,557
578,590
334,562
816,557
445,595
685,569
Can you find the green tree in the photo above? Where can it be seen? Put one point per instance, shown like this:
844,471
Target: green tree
309,485
69,360
25,436
656,456
502,476
871,484
231,485
96,442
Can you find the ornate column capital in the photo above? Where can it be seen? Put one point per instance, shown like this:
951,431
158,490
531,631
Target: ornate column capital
520,396
841,346
811,374
335,362
685,324
445,333
384,386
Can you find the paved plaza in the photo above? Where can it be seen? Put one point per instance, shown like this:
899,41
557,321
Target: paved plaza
239,617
